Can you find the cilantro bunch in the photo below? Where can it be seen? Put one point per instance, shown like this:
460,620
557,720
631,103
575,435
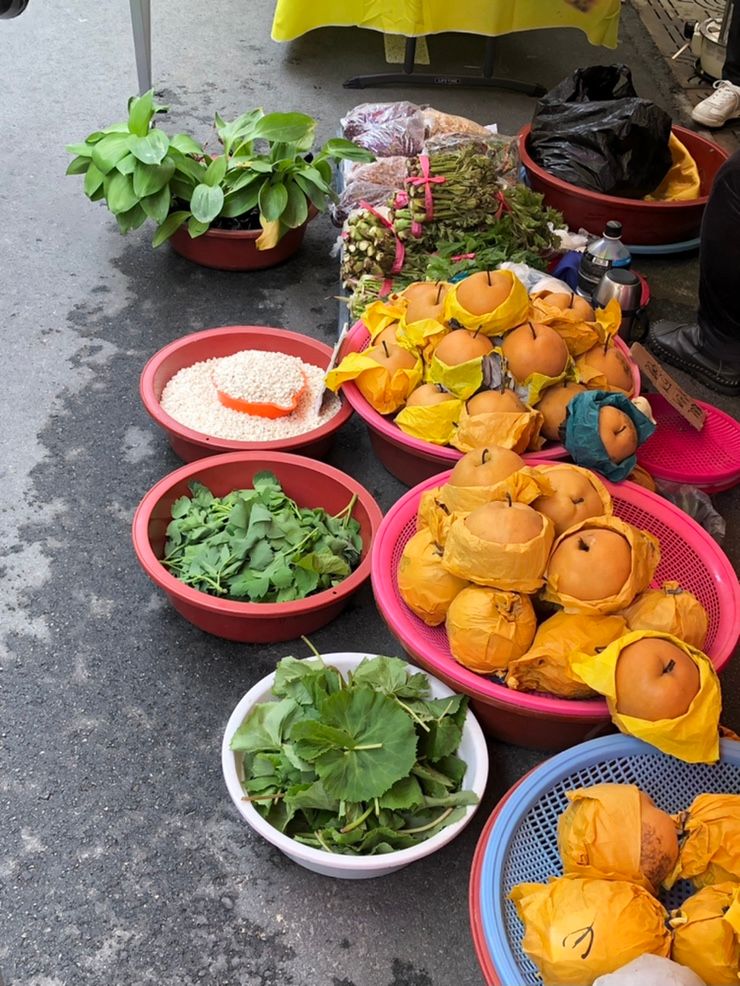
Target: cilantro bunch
258,545
360,765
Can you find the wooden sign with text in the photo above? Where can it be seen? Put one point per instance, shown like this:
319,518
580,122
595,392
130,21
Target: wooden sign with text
667,386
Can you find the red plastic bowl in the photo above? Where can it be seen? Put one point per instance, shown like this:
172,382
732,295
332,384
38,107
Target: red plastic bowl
235,249
643,223
410,459
310,484
538,721
678,453
213,343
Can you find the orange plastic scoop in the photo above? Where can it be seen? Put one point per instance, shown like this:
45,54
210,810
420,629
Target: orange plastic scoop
262,410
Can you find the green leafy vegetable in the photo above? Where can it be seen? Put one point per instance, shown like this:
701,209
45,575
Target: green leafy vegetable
258,545
362,765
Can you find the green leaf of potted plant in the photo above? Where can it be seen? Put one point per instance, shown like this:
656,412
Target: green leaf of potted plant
243,208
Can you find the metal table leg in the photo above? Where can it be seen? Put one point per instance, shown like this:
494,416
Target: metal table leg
408,77
141,25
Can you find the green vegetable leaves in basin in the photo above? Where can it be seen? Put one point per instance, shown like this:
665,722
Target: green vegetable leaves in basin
258,545
362,765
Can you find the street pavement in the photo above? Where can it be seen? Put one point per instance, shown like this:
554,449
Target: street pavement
123,861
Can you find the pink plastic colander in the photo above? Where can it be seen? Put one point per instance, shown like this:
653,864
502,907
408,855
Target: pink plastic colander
410,459
538,721
678,453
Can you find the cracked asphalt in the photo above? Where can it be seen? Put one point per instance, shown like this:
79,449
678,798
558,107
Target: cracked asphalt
122,859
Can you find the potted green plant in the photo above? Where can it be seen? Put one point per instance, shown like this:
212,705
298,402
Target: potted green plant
242,208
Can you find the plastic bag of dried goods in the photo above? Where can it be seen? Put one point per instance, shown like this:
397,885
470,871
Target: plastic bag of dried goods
650,970
386,129
710,843
486,628
577,929
591,572
562,639
616,832
501,289
669,609
503,544
517,430
706,934
671,702
435,423
385,389
425,586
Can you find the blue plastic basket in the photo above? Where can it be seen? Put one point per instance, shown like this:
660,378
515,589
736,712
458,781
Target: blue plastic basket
521,844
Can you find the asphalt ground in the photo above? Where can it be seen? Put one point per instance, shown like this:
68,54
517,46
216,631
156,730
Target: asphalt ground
123,861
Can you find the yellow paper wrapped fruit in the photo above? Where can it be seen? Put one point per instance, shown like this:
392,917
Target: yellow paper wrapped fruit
503,544
487,628
434,515
425,586
491,473
457,362
605,367
577,495
570,315
577,929
600,565
706,934
661,690
497,417
536,357
381,315
491,302
710,841
616,832
566,637
423,324
385,375
669,609
431,414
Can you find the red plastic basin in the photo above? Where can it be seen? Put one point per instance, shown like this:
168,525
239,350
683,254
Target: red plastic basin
310,484
216,343
643,223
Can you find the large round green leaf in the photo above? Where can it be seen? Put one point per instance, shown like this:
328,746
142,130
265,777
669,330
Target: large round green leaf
380,748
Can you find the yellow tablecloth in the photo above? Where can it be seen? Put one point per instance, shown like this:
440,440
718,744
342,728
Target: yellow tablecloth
598,19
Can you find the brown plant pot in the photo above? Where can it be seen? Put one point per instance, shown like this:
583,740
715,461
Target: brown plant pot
235,249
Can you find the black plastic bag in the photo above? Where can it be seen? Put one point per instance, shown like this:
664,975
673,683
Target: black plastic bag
593,130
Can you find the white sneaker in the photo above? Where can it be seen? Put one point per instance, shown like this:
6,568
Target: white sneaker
721,106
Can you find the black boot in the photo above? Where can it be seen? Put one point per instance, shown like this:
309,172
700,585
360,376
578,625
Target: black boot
11,8
680,345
